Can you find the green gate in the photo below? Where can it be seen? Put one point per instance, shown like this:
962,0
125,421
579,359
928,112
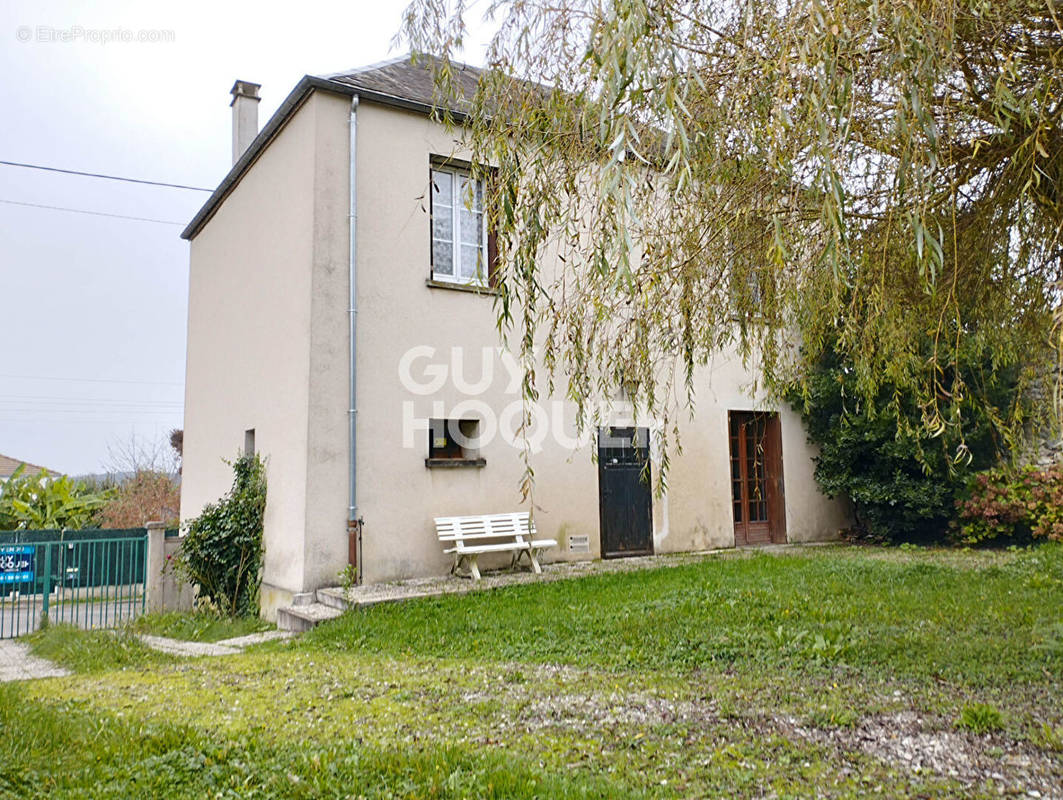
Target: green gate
91,579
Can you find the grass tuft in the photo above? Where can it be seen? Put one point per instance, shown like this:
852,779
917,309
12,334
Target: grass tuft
1049,737
92,651
198,626
980,718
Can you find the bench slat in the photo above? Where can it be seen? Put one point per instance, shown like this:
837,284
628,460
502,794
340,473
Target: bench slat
486,548
524,545
455,537
512,532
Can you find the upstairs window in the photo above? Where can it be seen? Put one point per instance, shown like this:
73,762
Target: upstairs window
459,228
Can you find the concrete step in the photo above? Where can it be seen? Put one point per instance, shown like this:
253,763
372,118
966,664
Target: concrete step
340,598
303,618
334,597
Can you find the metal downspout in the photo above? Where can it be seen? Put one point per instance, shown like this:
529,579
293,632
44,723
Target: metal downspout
354,523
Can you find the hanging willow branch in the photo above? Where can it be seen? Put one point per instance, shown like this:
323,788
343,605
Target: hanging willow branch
675,177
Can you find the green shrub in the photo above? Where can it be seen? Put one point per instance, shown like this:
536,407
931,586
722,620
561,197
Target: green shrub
902,479
1008,506
221,552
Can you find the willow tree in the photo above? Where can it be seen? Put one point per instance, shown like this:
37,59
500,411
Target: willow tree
885,179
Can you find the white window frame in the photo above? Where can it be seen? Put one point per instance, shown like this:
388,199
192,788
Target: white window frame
457,203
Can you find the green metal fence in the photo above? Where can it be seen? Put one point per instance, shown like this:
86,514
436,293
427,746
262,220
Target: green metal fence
91,579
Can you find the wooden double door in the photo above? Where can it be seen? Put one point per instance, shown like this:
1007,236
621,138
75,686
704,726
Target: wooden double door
757,503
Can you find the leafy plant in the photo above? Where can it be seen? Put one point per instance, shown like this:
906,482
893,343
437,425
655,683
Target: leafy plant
903,483
827,644
44,501
980,718
348,578
221,552
1013,506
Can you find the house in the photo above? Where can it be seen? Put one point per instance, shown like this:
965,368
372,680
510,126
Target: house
8,466
338,324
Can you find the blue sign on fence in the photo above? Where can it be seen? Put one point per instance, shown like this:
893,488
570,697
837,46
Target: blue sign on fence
16,564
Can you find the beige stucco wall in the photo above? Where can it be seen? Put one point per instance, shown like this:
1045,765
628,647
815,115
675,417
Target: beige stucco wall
399,496
699,497
268,348
252,295
325,544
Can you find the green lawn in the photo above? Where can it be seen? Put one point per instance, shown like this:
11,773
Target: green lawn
978,619
829,672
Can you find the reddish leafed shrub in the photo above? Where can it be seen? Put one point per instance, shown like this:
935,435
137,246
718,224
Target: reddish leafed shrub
1005,505
147,496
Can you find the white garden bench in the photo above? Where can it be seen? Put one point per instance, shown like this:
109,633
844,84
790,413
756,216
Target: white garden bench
467,537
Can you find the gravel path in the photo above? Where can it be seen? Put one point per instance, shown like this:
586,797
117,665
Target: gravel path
16,663
226,647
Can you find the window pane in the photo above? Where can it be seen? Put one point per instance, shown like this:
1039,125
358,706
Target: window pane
471,226
470,255
442,257
443,225
441,188
457,225
469,193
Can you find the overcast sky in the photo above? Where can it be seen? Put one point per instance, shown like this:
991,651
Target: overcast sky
92,338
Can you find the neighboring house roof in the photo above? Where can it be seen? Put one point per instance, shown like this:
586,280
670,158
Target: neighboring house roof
8,466
400,83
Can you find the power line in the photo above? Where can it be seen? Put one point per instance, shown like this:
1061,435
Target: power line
113,410
119,421
94,401
90,380
105,177
93,213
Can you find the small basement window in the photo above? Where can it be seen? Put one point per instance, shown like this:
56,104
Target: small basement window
454,443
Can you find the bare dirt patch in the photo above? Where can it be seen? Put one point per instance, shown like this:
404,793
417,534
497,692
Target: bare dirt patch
921,744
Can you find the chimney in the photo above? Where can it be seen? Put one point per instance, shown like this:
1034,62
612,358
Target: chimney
245,116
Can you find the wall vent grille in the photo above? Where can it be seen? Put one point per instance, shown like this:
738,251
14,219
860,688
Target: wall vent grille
579,544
